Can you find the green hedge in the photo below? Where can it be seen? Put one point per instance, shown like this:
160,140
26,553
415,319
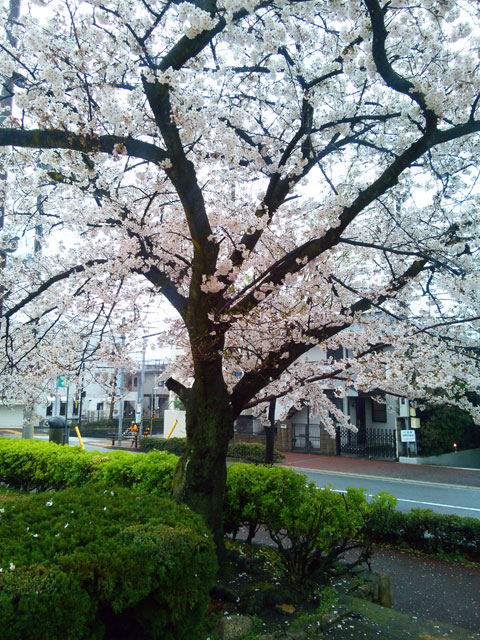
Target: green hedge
252,452
172,445
311,527
251,492
283,502
90,563
430,532
443,425
249,451
36,465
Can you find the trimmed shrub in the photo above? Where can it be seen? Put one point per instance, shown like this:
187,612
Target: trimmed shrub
252,491
251,451
248,451
44,602
172,445
152,473
93,563
34,465
423,530
314,536
311,527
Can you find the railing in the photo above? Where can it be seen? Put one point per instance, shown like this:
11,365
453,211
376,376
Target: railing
379,443
306,437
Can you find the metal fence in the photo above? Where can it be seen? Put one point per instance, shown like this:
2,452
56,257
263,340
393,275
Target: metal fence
376,443
306,437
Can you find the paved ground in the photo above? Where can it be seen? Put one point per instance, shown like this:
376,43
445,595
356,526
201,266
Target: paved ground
385,469
432,588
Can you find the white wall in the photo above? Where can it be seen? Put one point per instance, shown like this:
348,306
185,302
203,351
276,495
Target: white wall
169,417
11,416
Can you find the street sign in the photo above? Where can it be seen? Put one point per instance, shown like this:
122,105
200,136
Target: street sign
407,435
62,381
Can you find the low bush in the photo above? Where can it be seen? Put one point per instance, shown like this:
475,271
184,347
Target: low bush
91,563
152,473
34,465
427,531
249,451
172,445
313,537
252,491
312,528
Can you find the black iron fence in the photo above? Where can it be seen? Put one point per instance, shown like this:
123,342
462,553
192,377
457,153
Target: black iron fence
375,443
306,437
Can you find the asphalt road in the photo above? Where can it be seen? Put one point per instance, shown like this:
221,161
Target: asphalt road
442,498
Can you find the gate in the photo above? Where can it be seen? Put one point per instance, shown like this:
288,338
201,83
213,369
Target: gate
306,437
372,443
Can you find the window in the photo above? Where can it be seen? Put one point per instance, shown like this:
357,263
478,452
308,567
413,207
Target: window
135,382
99,406
244,424
336,354
379,411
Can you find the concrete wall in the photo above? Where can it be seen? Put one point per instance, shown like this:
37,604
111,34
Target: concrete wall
465,459
169,417
11,416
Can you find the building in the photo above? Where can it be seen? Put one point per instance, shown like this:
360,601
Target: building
379,420
94,399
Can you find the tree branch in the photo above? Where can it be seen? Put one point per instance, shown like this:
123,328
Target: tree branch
294,261
385,69
50,282
85,143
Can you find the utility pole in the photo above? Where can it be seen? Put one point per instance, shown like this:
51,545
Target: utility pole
121,390
29,418
141,391
80,400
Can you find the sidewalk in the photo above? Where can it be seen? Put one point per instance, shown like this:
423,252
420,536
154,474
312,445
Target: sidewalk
384,469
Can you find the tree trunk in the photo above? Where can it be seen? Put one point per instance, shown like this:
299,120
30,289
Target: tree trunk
270,433
201,472
28,427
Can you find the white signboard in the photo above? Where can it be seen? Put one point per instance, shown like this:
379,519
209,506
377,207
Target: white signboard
407,435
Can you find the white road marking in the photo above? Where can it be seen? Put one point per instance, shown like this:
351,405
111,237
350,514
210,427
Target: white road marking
437,504
430,504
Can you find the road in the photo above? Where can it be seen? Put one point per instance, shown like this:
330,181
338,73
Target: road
442,498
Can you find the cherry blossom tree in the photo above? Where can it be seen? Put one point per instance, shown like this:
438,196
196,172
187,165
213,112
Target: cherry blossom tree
286,173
